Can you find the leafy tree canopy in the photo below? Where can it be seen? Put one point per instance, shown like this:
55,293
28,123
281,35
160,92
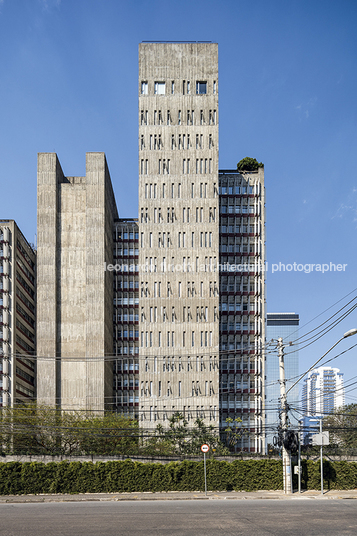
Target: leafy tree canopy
249,164
180,438
342,425
42,430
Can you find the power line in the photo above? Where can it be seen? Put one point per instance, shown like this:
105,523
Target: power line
112,357
328,328
328,308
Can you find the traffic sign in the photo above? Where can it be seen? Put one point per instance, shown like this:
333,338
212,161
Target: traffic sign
321,439
205,448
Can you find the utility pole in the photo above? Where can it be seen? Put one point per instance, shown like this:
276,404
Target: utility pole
284,420
299,459
284,412
321,460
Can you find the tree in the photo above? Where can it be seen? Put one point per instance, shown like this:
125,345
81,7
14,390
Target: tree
108,434
233,432
342,425
249,164
42,430
182,439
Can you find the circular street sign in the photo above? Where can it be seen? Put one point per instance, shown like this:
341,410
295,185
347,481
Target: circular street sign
205,448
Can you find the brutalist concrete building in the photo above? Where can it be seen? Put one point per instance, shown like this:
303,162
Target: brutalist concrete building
186,284
75,218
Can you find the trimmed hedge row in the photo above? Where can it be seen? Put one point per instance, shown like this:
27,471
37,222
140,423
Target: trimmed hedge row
337,475
127,476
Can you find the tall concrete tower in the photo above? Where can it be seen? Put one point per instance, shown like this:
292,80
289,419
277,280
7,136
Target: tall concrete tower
75,292
178,231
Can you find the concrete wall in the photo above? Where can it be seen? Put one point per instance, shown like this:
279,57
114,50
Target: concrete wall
49,176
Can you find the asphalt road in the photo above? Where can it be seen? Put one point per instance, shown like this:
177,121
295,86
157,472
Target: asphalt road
305,517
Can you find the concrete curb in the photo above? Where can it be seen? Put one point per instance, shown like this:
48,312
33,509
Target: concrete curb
178,495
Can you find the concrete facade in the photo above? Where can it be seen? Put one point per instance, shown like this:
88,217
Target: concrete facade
75,292
179,232
17,316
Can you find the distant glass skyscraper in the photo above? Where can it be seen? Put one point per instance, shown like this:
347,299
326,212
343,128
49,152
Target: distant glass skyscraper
323,391
286,326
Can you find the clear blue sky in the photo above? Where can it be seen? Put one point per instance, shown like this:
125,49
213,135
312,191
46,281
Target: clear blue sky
288,92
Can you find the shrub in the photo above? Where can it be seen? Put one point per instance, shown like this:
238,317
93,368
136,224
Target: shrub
249,164
128,476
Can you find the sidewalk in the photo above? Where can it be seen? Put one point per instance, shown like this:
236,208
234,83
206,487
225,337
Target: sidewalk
179,496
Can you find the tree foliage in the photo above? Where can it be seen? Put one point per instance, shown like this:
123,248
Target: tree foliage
180,438
233,432
249,164
41,430
342,425
44,431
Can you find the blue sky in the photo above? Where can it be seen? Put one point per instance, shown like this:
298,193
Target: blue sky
288,86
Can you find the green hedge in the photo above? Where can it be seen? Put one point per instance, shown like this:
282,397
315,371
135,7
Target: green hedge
128,476
337,475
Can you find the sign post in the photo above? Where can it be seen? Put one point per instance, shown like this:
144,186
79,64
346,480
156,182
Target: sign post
205,448
323,438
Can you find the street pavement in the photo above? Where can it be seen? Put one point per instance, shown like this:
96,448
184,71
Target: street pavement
253,514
